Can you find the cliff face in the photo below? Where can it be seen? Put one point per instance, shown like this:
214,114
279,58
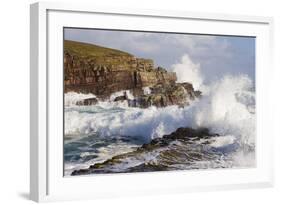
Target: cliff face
109,71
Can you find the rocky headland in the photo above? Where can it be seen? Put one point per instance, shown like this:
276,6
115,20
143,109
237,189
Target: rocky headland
103,71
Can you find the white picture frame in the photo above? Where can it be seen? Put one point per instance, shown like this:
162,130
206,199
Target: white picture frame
46,169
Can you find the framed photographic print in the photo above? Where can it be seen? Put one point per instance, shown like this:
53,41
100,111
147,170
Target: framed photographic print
127,102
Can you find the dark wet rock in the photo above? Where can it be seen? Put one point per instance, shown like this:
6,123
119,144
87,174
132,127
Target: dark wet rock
121,98
185,132
148,167
88,101
171,152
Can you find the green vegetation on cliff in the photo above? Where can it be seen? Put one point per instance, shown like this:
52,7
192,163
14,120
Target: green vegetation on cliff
86,50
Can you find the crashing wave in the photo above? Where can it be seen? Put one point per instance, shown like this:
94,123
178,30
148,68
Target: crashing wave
224,109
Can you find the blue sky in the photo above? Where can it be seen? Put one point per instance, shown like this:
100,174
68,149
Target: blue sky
215,56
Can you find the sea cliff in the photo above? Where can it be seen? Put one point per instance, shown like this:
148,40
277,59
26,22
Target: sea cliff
103,71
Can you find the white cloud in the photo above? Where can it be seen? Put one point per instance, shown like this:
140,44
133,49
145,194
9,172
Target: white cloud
195,41
203,45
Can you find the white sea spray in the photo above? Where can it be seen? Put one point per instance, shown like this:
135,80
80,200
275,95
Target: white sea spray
220,109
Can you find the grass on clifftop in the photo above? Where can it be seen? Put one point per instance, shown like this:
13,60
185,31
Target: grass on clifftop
90,50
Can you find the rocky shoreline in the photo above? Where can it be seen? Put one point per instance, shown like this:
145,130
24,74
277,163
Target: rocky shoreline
111,126
170,152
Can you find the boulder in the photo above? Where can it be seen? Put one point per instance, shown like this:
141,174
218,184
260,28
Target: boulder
120,98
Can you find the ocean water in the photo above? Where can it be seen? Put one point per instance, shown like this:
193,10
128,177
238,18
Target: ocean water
96,133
